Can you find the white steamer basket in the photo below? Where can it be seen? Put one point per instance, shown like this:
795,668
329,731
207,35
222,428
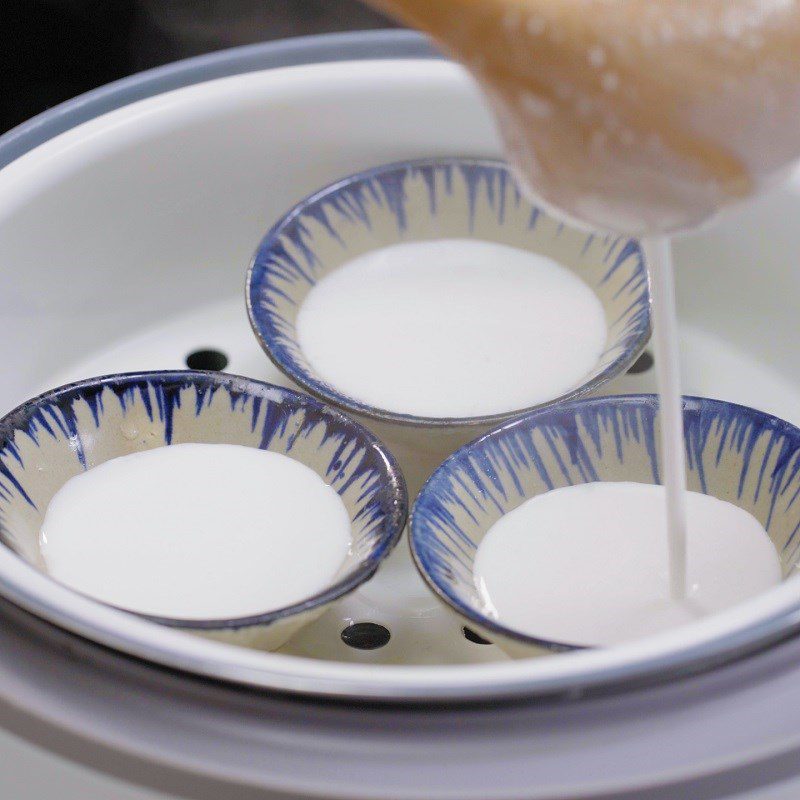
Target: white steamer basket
124,244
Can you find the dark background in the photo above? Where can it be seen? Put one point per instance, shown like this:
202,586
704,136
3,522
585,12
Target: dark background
51,50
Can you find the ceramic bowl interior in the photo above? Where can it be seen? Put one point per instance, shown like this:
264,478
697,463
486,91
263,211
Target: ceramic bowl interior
423,200
48,440
733,453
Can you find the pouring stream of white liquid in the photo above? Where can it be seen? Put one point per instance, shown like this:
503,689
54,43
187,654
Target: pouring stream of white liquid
658,256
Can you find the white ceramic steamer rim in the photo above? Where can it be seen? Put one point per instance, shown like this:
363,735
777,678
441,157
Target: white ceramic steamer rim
758,621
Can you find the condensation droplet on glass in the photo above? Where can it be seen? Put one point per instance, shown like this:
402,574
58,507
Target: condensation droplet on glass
536,106
535,25
597,56
610,82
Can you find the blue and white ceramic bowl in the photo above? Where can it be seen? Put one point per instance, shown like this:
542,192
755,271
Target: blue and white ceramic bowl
421,200
734,453
53,437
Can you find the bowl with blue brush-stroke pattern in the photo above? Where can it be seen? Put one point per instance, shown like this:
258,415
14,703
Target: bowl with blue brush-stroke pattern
444,198
733,453
62,433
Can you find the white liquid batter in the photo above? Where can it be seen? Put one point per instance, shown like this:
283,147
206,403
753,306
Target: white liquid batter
197,531
586,564
452,328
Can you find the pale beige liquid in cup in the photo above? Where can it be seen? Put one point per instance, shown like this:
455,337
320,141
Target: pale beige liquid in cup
583,564
638,116
197,531
466,308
